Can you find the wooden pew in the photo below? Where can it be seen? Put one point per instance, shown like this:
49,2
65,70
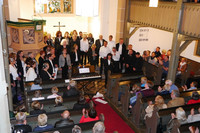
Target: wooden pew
184,128
152,72
49,103
113,79
85,127
164,116
47,84
141,104
52,117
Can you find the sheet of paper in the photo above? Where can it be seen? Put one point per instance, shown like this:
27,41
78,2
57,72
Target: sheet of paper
101,101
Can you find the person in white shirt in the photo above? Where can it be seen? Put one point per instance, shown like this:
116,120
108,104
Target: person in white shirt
15,77
54,91
116,58
84,47
103,52
31,74
111,43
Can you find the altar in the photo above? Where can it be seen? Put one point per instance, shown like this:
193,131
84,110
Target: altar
26,35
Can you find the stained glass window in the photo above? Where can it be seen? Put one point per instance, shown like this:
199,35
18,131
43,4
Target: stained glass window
53,6
68,6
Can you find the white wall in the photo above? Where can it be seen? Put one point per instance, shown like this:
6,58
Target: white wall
14,11
158,38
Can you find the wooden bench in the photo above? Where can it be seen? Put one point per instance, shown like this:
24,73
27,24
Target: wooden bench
113,79
152,72
163,116
53,117
49,103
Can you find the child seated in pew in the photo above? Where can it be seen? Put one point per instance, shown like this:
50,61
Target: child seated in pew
195,98
193,86
159,102
54,91
178,118
193,118
37,96
81,103
134,92
36,85
36,108
88,116
164,90
59,104
42,123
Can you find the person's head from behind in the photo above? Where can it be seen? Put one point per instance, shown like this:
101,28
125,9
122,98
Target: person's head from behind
58,100
35,105
42,119
76,129
37,81
143,80
65,114
45,66
149,84
174,94
136,88
168,82
180,114
37,93
195,95
194,84
31,55
21,118
81,100
32,64
54,90
92,113
99,127
159,100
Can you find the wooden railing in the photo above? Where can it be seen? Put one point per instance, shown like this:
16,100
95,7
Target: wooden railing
163,17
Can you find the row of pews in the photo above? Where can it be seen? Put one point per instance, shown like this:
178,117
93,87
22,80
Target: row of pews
54,116
121,83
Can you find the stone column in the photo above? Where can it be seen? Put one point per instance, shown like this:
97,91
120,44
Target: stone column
120,19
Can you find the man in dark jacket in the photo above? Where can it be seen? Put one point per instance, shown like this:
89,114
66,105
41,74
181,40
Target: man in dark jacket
71,90
138,63
65,121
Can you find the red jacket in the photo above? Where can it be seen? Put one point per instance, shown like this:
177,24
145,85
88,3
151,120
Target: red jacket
192,101
88,119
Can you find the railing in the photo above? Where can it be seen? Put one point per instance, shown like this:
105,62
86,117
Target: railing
164,16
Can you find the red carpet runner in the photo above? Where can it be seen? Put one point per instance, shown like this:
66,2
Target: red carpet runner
113,122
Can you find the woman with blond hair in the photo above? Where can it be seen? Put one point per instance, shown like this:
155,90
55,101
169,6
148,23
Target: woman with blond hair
54,91
37,109
93,55
42,123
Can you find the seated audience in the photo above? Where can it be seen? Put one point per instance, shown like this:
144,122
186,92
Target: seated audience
54,91
21,108
195,98
143,82
152,59
36,108
65,121
172,86
182,67
81,104
42,123
164,90
37,96
193,86
176,100
193,118
179,117
88,116
159,103
21,125
134,92
148,91
99,127
76,129
71,90
59,104
36,85
45,75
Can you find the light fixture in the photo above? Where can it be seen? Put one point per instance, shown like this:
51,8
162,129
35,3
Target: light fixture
153,3
89,8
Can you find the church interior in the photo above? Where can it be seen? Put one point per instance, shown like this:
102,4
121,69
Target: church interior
100,66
